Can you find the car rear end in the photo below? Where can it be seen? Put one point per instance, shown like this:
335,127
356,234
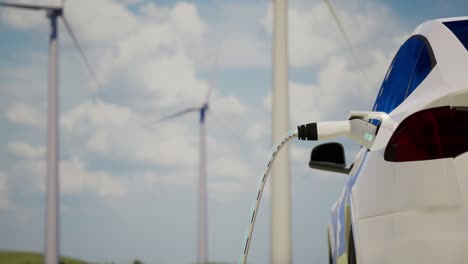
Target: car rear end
410,205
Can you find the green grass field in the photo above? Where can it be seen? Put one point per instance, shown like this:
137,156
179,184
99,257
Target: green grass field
16,257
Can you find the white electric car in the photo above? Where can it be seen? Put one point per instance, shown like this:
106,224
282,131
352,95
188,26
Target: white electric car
406,196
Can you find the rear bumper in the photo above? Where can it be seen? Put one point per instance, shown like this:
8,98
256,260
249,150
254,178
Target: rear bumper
413,237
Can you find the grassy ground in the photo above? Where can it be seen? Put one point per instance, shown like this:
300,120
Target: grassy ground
15,257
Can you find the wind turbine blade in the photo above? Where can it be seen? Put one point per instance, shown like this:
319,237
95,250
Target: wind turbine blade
20,6
177,114
81,51
345,36
26,6
338,23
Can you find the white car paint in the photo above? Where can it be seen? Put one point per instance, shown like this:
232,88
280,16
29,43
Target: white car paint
417,212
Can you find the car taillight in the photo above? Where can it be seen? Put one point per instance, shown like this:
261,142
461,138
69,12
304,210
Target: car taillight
433,133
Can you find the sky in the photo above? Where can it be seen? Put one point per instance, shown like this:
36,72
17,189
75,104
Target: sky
128,184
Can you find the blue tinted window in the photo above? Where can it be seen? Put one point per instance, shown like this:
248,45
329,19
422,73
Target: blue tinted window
421,70
460,29
395,85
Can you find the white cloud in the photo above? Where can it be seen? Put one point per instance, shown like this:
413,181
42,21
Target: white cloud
242,49
186,18
340,87
4,203
314,35
120,133
75,178
311,39
175,83
239,37
27,19
400,39
300,153
152,180
33,173
156,12
224,191
25,114
227,105
23,19
256,131
156,56
145,41
153,53
306,103
100,21
228,167
26,151
96,113
130,2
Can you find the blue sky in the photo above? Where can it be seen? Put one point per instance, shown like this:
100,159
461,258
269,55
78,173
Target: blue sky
128,186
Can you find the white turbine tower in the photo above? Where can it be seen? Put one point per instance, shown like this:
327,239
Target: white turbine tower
52,225
280,198
280,186
52,214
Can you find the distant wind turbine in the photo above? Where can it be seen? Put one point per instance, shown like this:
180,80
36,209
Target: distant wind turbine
202,193
52,237
202,201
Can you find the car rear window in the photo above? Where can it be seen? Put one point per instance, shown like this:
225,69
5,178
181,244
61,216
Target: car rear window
411,65
460,30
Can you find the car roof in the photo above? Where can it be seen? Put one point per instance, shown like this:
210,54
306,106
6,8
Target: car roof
451,19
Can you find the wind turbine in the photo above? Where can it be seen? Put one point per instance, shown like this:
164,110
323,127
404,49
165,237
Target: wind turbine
202,201
202,193
52,244
202,164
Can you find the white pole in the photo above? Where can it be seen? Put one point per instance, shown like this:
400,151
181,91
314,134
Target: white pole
280,198
202,207
52,214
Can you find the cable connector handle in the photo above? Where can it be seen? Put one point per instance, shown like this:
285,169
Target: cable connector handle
307,132
323,130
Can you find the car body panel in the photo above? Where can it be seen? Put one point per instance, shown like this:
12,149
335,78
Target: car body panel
409,212
341,214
